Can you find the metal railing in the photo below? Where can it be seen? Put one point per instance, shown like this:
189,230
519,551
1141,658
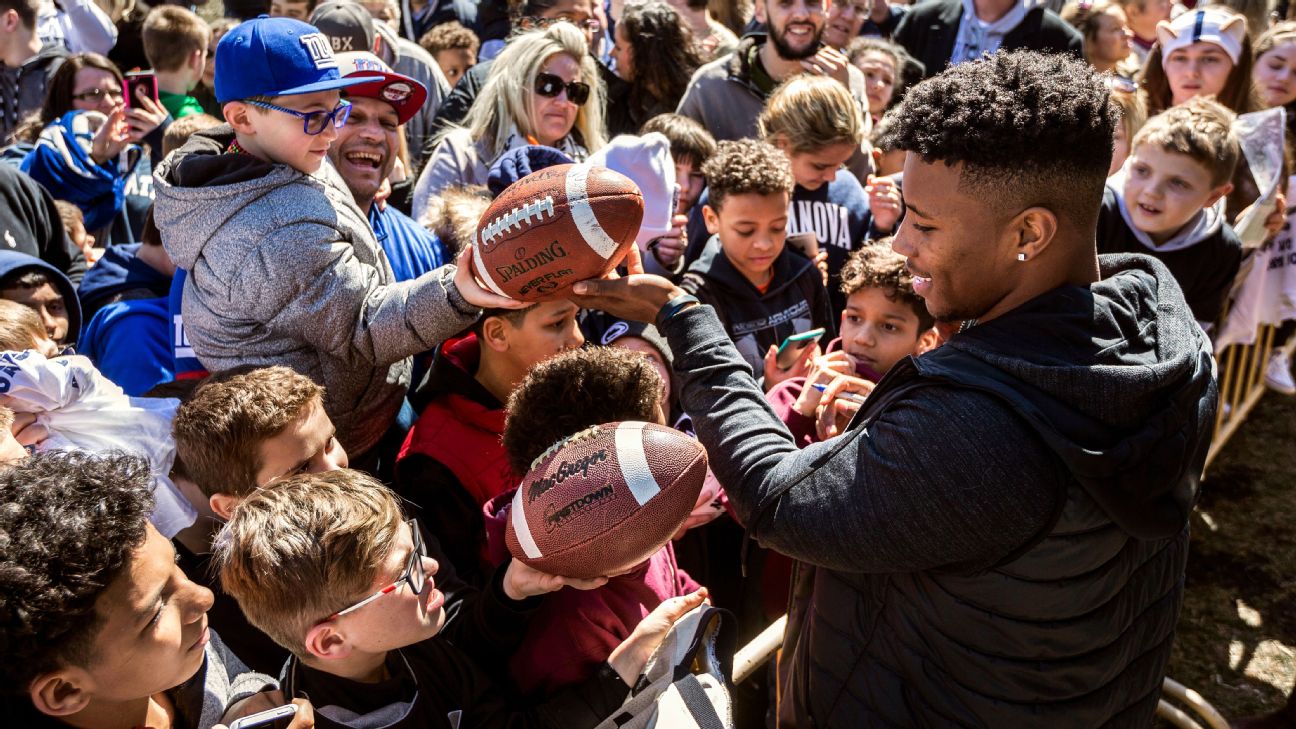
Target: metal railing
1241,383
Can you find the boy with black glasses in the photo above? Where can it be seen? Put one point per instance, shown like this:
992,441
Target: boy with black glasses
282,265
329,568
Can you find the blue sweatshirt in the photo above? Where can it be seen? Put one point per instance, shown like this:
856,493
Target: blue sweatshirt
411,249
130,342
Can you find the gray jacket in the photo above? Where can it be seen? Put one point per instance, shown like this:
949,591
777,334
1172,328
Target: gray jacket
22,89
722,97
284,269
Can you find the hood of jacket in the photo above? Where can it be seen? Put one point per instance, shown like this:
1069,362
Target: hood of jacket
201,173
1117,378
1202,225
720,273
451,379
120,270
14,262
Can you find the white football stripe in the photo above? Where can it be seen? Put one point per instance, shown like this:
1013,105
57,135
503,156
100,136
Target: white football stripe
634,464
483,272
522,529
583,215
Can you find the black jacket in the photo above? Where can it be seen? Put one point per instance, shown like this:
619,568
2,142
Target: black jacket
929,31
795,302
999,539
29,223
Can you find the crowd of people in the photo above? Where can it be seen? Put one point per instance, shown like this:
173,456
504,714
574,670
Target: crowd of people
935,286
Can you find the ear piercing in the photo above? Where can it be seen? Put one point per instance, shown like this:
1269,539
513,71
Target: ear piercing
1021,256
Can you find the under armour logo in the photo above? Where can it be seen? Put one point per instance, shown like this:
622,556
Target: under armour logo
10,240
317,46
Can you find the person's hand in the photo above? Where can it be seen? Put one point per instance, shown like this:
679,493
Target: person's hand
473,292
398,173
266,700
637,297
829,62
111,138
708,507
835,413
821,262
1278,217
384,192
774,375
629,658
27,431
885,202
670,247
144,115
521,581
823,370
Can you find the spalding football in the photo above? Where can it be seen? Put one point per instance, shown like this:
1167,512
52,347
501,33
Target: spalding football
604,500
552,228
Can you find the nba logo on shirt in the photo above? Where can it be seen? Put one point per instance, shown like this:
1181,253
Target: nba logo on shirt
321,52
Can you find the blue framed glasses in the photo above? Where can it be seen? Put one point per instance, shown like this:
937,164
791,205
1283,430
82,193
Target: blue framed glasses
313,122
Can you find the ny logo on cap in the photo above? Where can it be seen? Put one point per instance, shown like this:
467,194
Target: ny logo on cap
317,45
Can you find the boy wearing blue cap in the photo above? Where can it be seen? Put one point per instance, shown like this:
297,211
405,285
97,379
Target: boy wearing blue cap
282,265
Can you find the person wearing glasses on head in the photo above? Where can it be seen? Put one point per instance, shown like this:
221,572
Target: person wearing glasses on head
546,91
282,265
88,146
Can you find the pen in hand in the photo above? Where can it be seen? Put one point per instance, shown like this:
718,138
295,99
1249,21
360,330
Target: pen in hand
847,396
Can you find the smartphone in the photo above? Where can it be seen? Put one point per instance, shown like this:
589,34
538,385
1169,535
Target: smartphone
807,243
794,347
276,718
138,80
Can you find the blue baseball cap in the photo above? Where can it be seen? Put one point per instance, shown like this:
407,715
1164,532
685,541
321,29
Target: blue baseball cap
275,57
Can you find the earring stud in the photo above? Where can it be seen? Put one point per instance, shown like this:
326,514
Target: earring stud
1021,256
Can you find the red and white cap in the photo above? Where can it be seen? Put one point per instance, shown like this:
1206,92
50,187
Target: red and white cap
404,93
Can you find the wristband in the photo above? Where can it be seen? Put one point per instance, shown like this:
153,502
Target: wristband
673,307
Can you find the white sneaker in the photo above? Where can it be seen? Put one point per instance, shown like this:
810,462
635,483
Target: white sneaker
1278,374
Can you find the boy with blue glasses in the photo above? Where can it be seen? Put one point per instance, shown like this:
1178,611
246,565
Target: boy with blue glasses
283,267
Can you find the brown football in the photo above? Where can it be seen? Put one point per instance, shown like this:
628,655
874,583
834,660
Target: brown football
552,228
605,499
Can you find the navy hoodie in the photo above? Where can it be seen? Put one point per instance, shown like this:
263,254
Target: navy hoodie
13,262
119,276
796,301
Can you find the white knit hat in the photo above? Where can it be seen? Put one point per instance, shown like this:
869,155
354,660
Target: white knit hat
1210,25
647,161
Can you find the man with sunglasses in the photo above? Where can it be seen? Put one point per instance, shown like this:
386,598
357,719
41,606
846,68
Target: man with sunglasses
282,265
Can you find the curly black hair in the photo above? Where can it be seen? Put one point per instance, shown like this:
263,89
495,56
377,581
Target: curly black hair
570,392
746,167
1029,129
70,522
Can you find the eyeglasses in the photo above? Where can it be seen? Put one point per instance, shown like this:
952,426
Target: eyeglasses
97,95
549,86
414,573
313,122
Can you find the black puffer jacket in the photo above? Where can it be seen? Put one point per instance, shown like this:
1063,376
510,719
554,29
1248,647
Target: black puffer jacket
999,540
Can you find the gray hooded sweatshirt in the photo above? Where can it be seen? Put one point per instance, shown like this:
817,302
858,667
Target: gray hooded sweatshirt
284,270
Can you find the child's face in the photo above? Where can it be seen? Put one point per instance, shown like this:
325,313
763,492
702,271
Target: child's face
548,328
877,331
641,345
691,182
1275,74
308,444
817,168
281,137
1120,148
1164,190
153,629
401,617
1148,14
879,80
455,62
48,304
752,228
1201,69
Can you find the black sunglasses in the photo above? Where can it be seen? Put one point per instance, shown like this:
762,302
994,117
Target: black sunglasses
549,85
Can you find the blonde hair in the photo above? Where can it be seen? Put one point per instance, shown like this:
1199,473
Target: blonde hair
1200,128
20,328
812,112
1133,113
299,550
507,96
454,213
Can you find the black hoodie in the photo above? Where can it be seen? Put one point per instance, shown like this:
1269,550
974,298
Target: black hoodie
29,223
796,301
999,539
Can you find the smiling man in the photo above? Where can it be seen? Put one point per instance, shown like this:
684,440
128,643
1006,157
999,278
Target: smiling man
365,154
999,538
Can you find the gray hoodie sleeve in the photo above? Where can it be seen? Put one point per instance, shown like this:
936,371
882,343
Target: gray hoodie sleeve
944,479
330,300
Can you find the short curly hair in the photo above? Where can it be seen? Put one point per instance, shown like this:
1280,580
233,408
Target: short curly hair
220,428
70,523
570,392
1029,129
449,36
876,266
746,167
1199,128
